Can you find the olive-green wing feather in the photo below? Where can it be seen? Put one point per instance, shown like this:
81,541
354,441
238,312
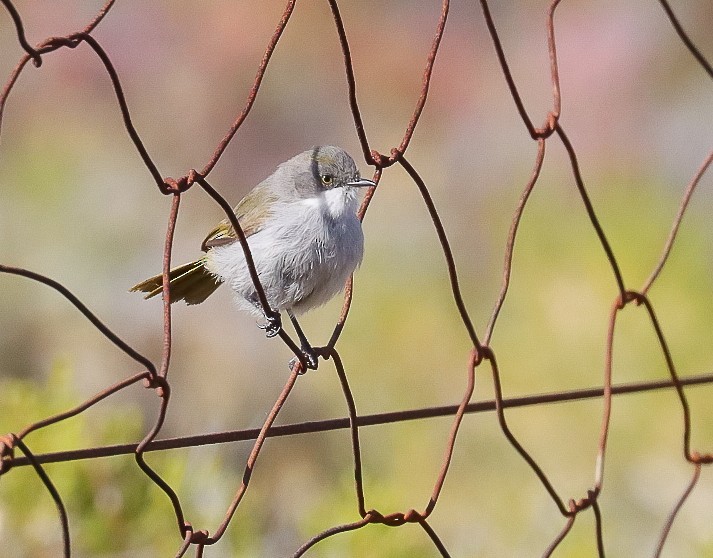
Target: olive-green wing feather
191,282
252,212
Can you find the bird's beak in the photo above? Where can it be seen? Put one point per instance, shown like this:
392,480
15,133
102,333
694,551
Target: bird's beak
362,182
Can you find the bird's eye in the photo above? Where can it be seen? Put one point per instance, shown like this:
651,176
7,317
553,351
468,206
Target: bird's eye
327,179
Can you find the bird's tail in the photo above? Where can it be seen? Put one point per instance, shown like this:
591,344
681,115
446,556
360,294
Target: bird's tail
191,282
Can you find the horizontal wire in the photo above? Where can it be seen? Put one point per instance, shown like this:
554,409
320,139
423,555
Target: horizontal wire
365,420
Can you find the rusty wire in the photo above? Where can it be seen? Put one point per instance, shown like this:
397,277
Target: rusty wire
326,425
156,377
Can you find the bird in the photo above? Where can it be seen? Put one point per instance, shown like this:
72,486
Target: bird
304,235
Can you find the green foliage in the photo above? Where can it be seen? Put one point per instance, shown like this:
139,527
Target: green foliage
112,505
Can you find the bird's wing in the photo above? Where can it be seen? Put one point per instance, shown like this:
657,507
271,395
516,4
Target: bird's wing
252,213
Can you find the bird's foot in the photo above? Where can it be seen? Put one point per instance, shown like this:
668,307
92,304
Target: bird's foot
310,358
273,325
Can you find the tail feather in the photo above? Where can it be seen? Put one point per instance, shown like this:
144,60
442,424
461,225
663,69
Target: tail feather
191,282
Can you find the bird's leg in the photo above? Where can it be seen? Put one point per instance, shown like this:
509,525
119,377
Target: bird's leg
307,350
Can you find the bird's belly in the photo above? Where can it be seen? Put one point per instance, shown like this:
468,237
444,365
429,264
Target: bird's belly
297,271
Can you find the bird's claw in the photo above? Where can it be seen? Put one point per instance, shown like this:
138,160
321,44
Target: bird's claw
273,325
310,359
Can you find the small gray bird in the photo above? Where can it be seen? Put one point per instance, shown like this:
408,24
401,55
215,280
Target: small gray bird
304,236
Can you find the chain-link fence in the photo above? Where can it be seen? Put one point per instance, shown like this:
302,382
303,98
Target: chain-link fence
15,447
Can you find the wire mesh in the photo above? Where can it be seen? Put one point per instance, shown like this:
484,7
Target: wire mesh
481,357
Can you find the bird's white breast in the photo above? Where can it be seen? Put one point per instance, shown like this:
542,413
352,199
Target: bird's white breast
303,255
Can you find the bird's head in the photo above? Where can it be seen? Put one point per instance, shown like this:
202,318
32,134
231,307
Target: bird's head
325,176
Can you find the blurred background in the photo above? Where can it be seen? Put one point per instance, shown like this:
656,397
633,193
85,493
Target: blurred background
79,206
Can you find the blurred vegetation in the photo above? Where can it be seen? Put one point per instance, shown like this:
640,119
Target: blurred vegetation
78,206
